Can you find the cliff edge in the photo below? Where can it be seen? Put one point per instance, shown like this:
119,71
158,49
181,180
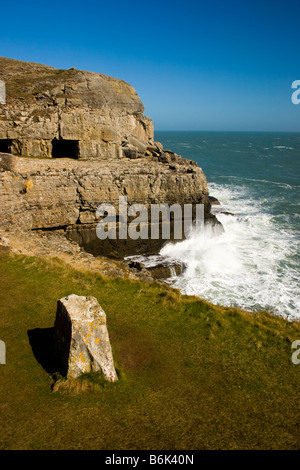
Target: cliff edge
70,113
71,140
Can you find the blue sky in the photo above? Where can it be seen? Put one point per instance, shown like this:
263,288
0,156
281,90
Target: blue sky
197,65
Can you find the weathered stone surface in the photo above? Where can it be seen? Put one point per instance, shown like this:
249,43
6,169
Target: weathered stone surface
4,241
54,244
157,267
82,339
98,121
102,114
214,201
65,193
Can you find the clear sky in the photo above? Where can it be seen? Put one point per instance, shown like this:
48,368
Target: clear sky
197,65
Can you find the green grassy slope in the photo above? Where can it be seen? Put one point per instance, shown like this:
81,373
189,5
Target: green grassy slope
192,375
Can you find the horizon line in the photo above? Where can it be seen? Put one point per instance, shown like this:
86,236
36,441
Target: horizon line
224,130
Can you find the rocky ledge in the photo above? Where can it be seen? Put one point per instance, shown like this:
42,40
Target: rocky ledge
46,194
72,140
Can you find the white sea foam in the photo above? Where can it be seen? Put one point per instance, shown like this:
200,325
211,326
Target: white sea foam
282,147
251,265
283,185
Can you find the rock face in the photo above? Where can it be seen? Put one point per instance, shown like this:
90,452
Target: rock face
82,339
96,124
70,113
44,194
64,194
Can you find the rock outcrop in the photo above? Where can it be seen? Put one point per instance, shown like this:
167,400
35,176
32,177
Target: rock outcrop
96,124
70,113
64,194
81,338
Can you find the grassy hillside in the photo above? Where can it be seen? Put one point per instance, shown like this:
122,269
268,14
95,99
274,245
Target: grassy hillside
192,375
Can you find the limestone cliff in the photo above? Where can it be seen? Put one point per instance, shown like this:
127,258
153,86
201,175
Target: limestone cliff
51,112
98,122
64,194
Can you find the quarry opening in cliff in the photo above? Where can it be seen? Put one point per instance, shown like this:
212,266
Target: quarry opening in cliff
5,145
62,148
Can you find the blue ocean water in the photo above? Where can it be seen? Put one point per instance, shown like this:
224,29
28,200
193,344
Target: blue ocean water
255,263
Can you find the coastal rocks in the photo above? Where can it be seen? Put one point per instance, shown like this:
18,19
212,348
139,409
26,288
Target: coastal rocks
165,270
81,338
214,201
94,146
54,244
218,210
160,270
70,113
63,194
225,213
4,241
158,267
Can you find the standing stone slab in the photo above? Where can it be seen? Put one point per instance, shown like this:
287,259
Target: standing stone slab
82,338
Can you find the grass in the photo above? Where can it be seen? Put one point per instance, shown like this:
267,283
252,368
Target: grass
191,375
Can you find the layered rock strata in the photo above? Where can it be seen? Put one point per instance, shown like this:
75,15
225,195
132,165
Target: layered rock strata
63,194
72,140
70,113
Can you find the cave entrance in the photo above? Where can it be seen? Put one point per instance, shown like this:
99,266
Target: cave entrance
5,145
62,148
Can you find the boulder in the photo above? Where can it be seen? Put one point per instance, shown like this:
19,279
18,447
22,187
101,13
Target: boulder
214,201
130,151
165,270
141,147
81,338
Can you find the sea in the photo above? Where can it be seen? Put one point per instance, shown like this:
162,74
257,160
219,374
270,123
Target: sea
254,263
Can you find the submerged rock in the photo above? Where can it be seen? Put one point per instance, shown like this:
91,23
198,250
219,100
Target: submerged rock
81,338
